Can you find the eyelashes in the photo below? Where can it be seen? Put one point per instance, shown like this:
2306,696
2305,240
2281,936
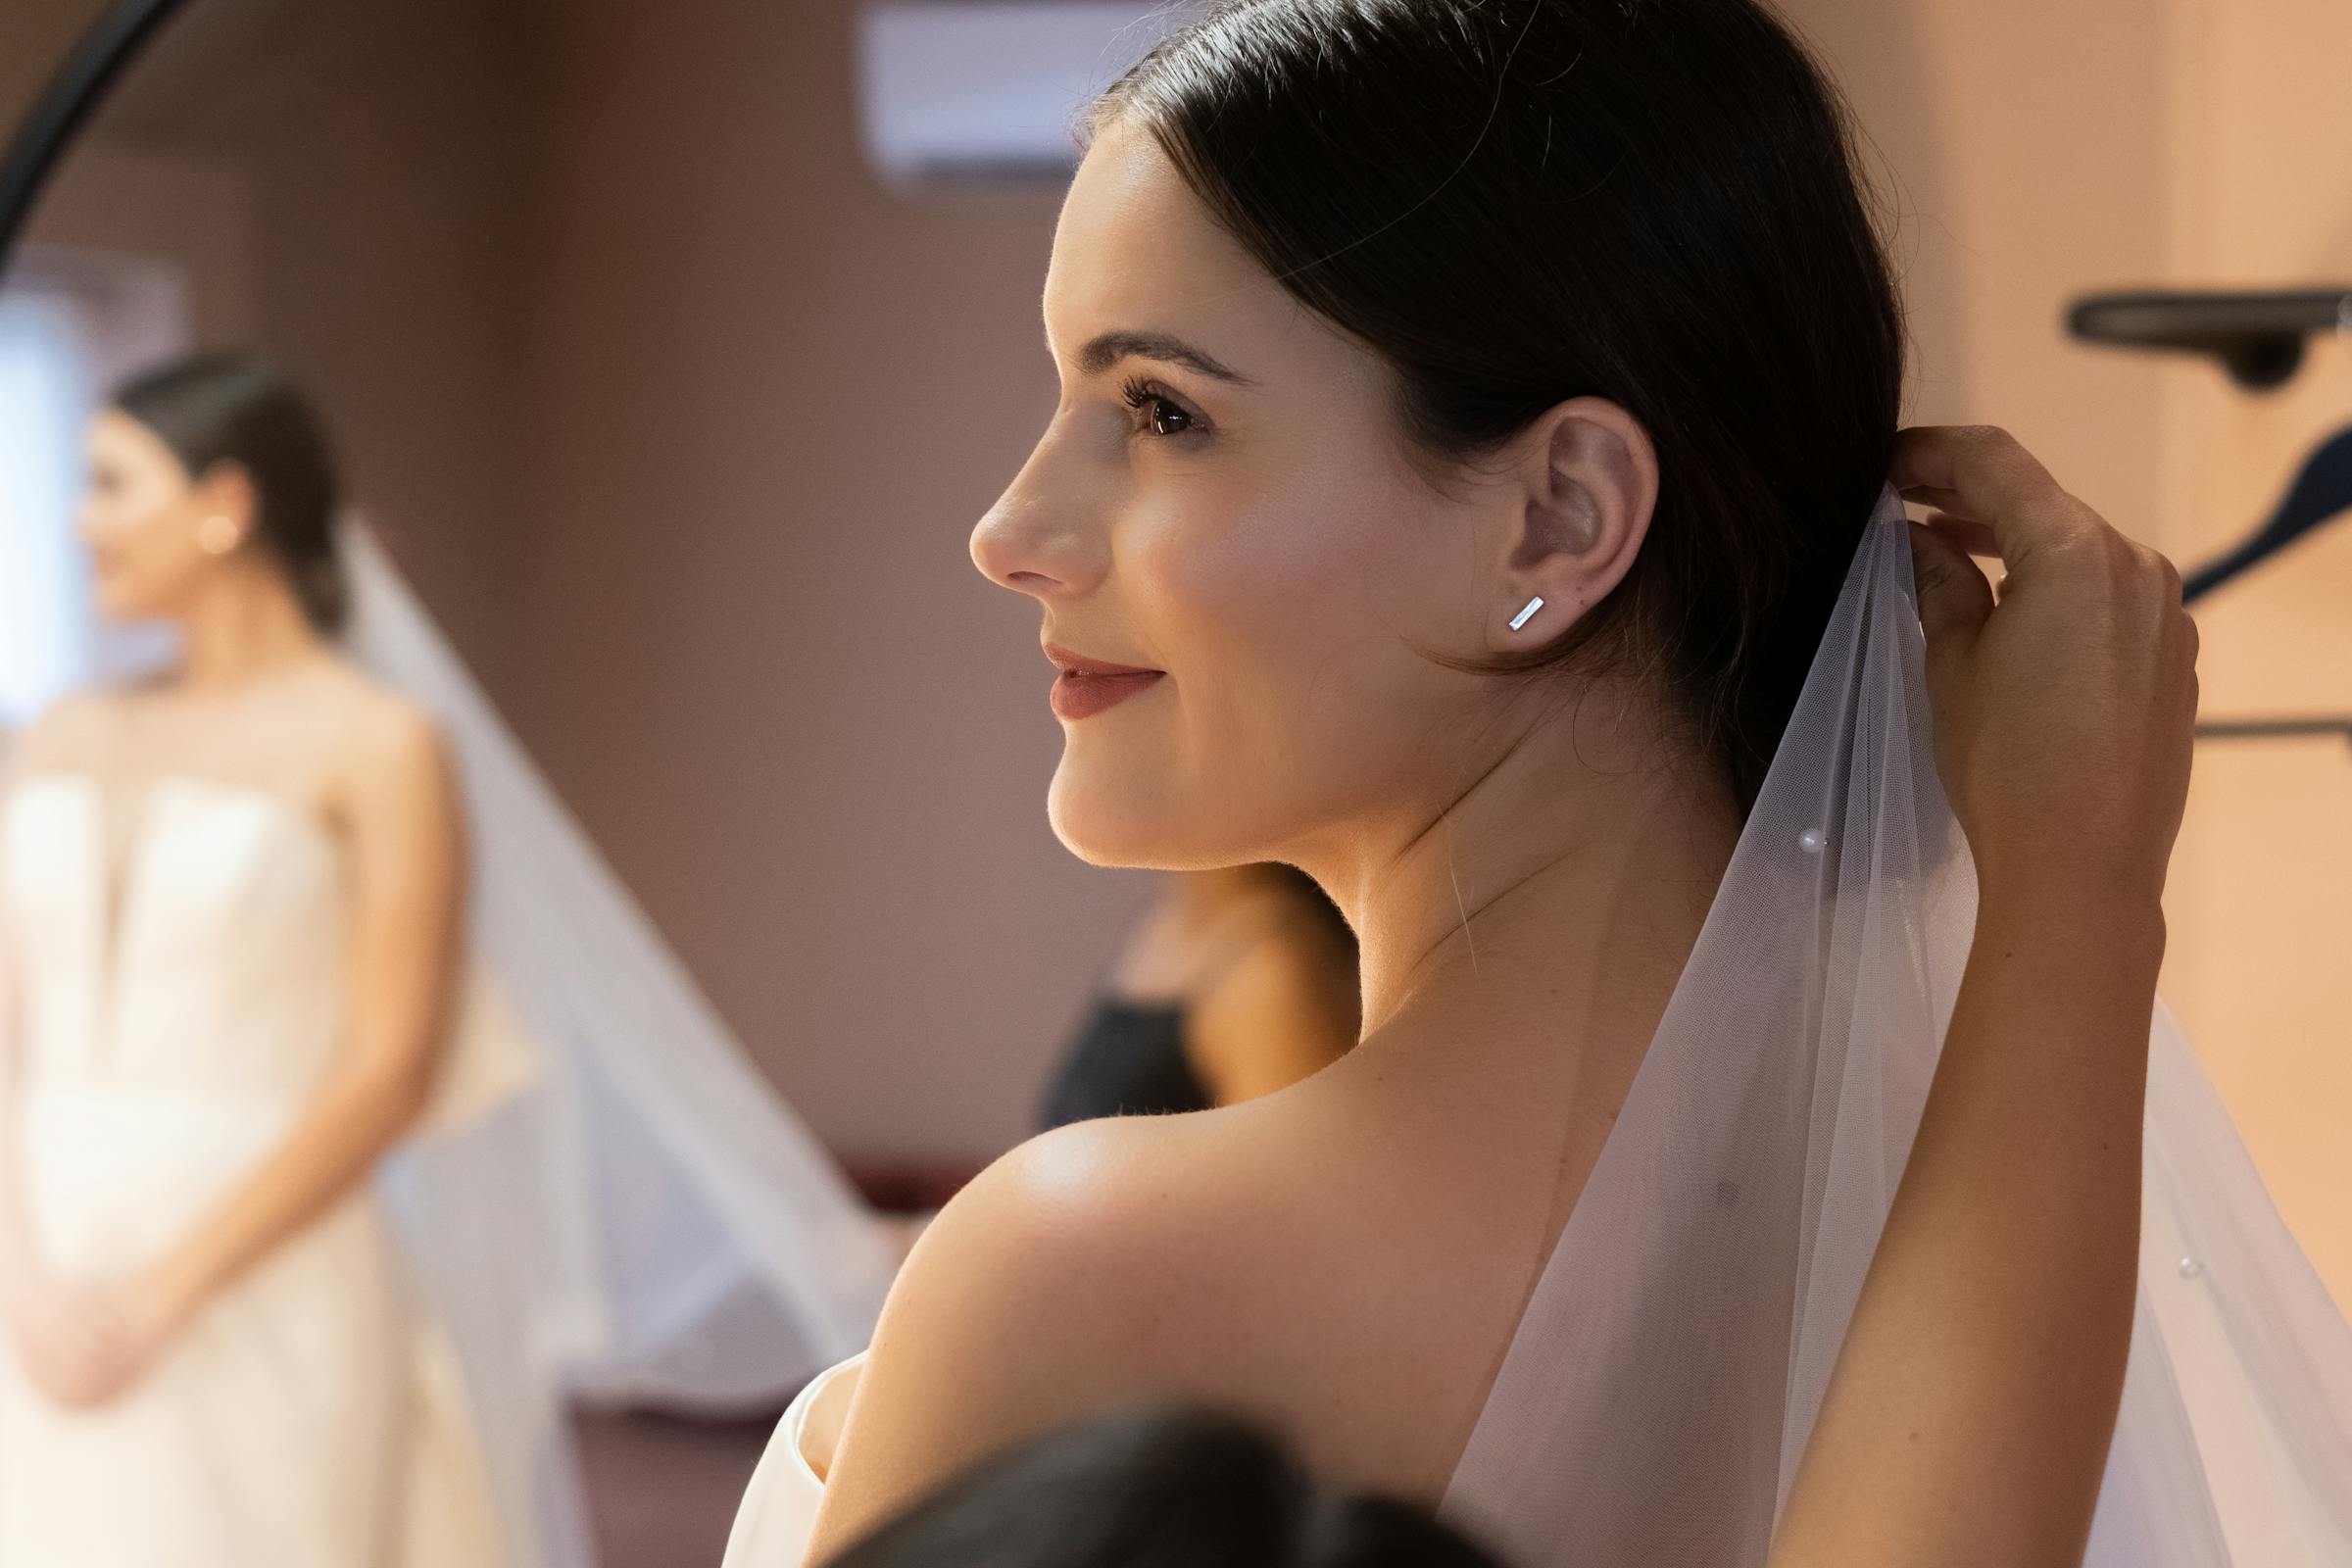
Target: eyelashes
1161,415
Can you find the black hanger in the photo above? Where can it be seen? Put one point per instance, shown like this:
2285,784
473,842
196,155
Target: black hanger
2246,729
2258,337
2322,490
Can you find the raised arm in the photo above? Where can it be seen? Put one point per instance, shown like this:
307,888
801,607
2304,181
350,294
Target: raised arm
406,934
1968,1418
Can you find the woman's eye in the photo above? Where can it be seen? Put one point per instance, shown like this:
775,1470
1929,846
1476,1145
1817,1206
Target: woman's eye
1162,415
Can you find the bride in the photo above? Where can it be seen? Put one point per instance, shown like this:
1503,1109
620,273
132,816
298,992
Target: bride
1463,489
353,1118
233,898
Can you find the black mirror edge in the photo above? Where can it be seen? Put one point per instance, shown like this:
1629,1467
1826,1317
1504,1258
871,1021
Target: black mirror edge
76,88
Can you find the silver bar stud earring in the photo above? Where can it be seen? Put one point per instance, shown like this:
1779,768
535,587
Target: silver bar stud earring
1521,618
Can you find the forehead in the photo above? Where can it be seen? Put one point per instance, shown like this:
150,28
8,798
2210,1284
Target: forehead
117,439
1136,249
119,433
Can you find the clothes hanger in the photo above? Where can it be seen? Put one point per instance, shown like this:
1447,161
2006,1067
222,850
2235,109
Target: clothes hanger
2240,729
2320,492
2258,337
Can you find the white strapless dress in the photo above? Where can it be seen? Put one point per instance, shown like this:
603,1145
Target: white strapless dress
308,1415
778,1515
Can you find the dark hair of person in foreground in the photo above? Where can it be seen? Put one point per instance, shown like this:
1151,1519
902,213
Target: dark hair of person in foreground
1163,1488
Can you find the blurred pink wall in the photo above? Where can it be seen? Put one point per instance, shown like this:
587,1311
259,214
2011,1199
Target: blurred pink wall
2052,151
774,399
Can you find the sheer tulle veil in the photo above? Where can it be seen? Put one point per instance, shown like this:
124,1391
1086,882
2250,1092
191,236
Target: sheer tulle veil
606,1196
1658,1392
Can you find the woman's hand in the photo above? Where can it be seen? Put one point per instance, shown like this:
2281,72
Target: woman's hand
1969,1413
2064,712
86,1345
48,1337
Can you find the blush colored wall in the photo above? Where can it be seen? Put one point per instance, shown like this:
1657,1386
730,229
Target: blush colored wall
775,398
2260,905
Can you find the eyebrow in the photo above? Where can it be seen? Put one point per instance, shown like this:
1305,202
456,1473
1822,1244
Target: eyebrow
1109,347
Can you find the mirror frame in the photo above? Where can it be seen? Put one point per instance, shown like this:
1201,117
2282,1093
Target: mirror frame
74,90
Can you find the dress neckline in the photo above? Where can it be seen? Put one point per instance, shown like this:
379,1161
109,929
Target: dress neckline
122,881
285,805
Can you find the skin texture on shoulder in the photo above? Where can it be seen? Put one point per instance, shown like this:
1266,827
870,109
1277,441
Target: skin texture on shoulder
71,733
1300,1259
1134,1261
1017,1310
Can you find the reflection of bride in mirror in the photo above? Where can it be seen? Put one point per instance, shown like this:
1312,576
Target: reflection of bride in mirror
233,898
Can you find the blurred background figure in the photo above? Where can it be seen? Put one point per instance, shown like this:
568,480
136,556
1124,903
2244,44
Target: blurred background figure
357,1123
232,900
1235,983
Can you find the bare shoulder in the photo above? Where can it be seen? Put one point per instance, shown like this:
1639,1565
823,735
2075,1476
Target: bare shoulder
387,778
1067,1251
385,739
1069,1277
74,731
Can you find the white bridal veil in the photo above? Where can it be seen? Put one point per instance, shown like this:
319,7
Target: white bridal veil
606,1196
1657,1395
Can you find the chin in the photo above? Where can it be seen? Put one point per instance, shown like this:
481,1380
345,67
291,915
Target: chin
1107,822
135,609
1118,823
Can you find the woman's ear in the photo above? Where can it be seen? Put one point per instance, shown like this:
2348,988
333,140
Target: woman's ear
1586,480
226,490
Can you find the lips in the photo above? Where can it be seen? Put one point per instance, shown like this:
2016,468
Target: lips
1079,665
1084,687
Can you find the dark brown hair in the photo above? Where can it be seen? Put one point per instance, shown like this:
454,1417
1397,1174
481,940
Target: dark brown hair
1157,1487
217,409
1517,202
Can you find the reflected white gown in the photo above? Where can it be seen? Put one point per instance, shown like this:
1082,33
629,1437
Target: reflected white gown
310,1416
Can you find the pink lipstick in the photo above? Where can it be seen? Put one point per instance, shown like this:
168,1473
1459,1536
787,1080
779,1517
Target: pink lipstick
1087,686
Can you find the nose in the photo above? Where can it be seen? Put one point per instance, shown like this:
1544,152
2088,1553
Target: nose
1039,538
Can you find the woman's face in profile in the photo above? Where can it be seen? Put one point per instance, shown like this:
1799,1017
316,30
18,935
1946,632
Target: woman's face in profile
142,520
1223,495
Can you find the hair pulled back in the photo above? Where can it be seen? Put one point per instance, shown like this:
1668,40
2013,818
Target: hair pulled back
213,408
1517,202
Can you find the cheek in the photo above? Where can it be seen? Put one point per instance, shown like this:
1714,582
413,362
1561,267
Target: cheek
148,552
1275,607
1236,575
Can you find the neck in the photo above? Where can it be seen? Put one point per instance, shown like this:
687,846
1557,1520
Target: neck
246,624
1555,891
1208,891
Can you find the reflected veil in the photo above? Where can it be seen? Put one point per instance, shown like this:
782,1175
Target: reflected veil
606,1196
